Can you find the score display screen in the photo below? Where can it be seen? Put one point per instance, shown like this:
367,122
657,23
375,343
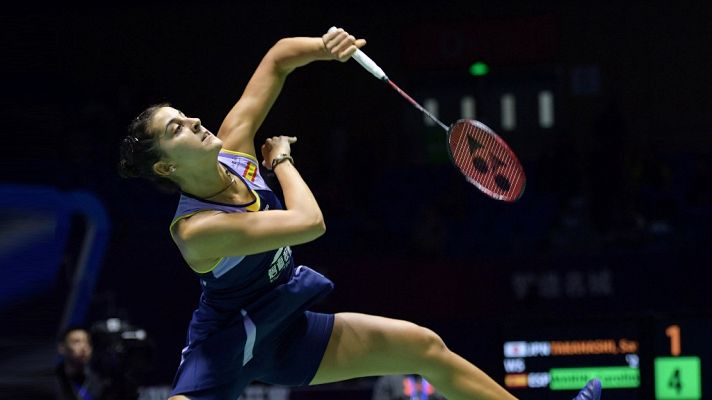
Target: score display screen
682,358
555,361
647,358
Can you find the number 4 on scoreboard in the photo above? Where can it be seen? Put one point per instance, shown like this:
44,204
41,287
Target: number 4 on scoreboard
678,378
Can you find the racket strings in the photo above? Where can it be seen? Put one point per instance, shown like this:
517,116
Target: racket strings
510,171
498,154
487,179
498,172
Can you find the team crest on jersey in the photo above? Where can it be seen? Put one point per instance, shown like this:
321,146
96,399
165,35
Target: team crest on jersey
250,172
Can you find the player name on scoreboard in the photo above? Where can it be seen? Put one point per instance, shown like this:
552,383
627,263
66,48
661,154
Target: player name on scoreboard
569,364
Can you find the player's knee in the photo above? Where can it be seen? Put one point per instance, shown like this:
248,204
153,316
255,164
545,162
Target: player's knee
430,344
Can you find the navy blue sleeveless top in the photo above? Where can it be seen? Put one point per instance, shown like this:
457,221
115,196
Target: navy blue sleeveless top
235,280
244,297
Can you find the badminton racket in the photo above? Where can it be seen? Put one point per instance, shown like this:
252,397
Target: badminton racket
477,151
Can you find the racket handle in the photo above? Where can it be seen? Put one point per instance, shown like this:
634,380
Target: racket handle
366,62
370,66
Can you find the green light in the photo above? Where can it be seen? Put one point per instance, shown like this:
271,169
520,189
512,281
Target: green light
479,69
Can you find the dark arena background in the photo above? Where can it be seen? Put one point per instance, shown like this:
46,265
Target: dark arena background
602,267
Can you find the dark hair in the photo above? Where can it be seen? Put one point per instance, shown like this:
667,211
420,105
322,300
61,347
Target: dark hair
62,337
139,151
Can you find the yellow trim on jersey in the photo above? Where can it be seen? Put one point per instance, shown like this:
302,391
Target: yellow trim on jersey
170,230
256,205
238,153
211,268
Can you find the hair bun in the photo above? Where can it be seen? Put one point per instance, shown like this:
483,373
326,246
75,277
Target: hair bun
127,170
128,147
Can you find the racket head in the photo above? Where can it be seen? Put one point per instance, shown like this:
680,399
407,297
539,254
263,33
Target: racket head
486,160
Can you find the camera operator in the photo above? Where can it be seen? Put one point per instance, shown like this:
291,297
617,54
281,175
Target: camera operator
75,377
105,362
123,355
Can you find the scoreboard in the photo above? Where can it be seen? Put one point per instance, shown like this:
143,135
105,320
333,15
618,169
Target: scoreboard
662,358
682,359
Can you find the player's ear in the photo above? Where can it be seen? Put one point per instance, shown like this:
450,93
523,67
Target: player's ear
163,168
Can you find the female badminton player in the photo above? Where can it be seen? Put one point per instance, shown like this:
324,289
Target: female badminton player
252,322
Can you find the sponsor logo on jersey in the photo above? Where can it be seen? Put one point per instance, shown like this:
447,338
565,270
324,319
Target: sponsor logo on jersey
279,263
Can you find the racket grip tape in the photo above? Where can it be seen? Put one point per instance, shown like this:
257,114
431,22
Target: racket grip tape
366,62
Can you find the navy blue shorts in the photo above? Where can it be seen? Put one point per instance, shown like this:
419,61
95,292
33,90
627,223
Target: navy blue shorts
290,358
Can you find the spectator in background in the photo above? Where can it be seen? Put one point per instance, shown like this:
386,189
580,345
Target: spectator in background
404,387
75,377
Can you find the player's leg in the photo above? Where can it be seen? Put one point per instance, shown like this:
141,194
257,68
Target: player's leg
365,345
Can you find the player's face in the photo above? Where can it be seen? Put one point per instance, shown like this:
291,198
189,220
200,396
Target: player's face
77,346
182,138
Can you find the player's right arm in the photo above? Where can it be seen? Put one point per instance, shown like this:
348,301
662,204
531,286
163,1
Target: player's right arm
205,237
